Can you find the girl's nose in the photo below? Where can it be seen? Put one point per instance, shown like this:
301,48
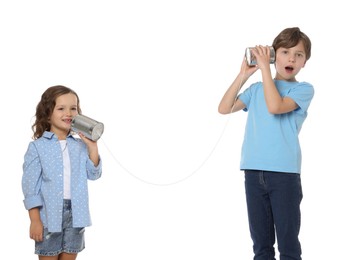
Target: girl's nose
69,112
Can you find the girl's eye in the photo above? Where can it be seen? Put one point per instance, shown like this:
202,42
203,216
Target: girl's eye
74,108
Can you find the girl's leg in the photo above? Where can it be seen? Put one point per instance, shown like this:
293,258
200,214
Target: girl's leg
41,257
66,256
62,256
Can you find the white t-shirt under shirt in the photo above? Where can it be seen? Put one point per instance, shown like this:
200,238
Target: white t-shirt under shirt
66,170
271,140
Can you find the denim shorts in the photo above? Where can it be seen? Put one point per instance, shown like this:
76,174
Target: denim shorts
70,240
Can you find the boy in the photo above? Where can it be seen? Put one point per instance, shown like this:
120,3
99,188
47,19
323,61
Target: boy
271,154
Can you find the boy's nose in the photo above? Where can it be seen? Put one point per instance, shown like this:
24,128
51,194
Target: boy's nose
291,58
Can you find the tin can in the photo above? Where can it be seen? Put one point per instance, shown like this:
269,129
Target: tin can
251,59
91,128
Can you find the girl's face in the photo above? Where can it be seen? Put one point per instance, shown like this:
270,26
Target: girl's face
62,115
289,62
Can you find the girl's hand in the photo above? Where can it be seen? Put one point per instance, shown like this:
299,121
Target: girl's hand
36,231
92,148
87,141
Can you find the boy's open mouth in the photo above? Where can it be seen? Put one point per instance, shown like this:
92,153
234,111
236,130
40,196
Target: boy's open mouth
289,69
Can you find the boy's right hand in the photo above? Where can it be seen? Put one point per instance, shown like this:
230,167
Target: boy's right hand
247,70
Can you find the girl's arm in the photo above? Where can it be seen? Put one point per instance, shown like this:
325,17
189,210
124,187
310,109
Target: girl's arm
36,226
92,147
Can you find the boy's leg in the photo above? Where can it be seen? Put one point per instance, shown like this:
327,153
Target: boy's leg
286,196
260,215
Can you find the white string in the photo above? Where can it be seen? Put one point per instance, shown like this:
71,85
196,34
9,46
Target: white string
168,183
191,173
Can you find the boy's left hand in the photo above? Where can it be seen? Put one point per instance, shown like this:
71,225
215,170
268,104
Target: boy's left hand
262,54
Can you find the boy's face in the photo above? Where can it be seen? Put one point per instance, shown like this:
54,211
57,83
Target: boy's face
289,61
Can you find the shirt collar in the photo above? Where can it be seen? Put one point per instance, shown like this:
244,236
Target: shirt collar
50,135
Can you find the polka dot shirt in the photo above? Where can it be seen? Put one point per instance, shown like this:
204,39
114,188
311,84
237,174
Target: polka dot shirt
42,180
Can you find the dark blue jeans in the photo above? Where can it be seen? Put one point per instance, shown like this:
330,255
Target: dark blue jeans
273,201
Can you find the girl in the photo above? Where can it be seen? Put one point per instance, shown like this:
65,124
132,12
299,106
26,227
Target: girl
55,173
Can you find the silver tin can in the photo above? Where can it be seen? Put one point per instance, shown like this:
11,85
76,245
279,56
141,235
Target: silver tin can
250,57
89,127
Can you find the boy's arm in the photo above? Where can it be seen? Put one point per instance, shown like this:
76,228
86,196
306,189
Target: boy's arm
229,102
275,103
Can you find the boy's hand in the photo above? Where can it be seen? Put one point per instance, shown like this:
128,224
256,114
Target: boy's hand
262,55
247,70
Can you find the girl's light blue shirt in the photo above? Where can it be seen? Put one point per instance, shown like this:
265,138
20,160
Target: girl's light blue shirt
42,181
271,141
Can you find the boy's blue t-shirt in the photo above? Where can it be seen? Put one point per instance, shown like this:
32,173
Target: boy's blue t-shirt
271,141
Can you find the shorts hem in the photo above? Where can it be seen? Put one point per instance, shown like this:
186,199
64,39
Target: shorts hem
72,251
48,253
68,251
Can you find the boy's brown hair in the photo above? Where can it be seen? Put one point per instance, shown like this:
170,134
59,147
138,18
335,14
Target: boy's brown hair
290,37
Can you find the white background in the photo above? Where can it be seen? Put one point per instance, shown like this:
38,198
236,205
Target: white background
154,72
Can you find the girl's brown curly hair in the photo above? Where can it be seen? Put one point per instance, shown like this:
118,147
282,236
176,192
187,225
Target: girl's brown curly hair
46,106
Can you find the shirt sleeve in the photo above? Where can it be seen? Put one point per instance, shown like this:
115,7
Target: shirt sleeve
94,172
302,94
247,94
32,178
